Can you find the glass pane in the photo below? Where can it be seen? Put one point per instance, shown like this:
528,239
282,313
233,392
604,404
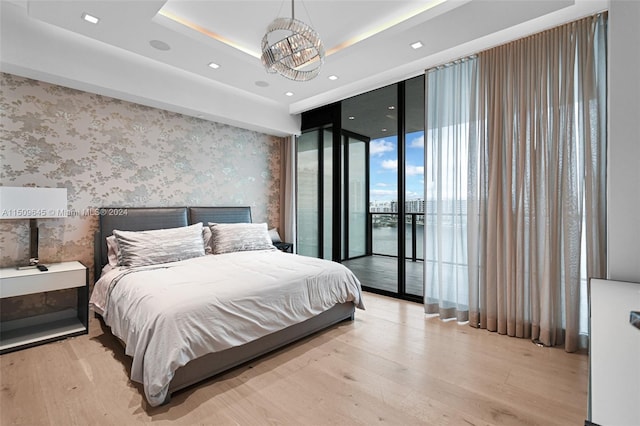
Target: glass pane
357,197
385,232
327,195
373,116
307,193
343,222
414,184
414,267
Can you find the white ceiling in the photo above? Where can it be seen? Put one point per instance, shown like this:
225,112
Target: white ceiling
368,44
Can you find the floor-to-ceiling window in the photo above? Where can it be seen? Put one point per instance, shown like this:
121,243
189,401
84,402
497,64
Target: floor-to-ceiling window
379,199
315,174
414,108
317,204
357,195
374,116
326,148
308,181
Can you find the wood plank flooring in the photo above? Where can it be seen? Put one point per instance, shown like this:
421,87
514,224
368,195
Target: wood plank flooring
392,365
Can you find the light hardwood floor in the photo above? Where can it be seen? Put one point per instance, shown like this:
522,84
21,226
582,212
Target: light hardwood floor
392,365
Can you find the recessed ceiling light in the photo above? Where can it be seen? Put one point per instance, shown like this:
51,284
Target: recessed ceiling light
391,107
351,117
289,93
90,18
214,65
416,45
159,44
384,130
333,77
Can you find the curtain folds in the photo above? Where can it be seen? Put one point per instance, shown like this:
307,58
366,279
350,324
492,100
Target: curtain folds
535,199
288,190
449,92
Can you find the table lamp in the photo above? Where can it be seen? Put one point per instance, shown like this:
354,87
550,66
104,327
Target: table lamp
33,204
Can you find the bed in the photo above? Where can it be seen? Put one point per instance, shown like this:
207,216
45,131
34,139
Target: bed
186,320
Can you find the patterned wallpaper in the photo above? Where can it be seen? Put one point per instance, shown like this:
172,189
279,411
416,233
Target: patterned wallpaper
109,152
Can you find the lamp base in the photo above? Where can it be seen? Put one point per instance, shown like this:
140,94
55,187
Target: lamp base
33,246
33,264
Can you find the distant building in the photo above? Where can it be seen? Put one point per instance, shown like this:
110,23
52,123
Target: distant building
410,206
414,206
380,206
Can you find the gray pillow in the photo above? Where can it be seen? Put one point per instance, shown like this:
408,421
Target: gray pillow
232,237
159,246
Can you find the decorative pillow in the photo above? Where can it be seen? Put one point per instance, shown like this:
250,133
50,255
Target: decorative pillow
159,246
112,250
206,239
231,237
275,237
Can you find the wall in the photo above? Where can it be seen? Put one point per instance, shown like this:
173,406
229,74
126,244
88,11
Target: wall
614,353
623,205
108,152
615,345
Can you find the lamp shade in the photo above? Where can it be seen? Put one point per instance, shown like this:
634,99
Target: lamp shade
32,203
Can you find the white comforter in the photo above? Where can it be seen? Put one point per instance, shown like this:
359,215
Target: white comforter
170,314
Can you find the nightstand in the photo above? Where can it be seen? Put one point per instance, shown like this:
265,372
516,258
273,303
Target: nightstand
31,331
285,247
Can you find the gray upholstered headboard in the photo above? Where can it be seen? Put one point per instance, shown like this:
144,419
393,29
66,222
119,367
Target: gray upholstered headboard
149,218
219,215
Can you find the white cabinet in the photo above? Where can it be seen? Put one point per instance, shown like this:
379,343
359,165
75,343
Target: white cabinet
35,330
614,353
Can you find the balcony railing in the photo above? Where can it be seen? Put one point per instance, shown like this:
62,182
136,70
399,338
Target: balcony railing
384,234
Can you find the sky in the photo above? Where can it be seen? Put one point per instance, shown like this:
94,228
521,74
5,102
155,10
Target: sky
383,159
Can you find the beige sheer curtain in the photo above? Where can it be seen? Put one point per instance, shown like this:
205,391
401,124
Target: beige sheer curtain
288,190
515,184
536,194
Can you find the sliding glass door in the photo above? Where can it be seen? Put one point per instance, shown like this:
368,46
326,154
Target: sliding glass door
414,182
315,193
374,117
308,180
317,204
369,183
326,147
356,195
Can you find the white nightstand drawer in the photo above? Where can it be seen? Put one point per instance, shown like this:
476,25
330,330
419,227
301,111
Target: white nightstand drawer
14,282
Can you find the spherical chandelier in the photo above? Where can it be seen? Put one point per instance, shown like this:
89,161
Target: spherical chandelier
292,49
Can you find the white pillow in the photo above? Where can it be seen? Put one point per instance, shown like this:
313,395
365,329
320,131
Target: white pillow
232,237
275,237
159,246
112,250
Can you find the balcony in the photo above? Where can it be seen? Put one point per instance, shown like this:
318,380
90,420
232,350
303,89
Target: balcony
378,270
